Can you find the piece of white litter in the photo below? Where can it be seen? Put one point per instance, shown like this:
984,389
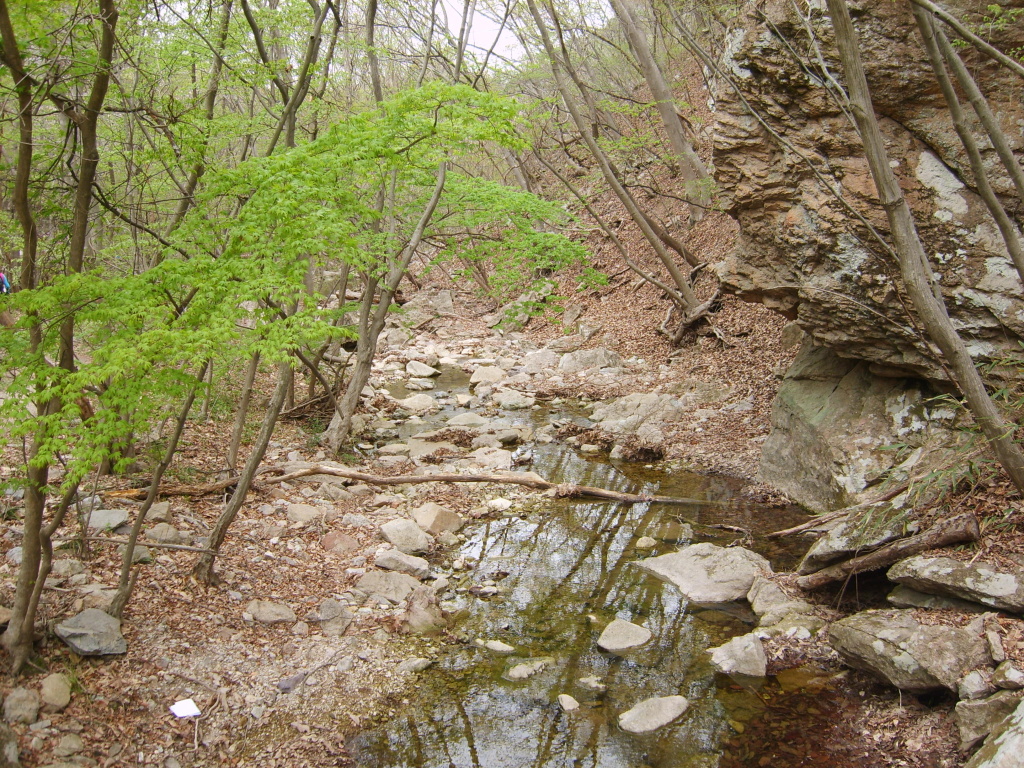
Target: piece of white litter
185,708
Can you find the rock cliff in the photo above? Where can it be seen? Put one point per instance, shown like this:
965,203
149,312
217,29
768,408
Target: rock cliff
793,175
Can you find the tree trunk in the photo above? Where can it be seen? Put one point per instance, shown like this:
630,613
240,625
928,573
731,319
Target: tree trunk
914,267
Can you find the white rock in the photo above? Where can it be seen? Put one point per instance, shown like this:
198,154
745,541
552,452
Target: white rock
406,536
528,669
622,635
420,370
652,714
743,655
567,702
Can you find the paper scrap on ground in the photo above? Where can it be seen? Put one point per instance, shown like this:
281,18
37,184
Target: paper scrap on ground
185,708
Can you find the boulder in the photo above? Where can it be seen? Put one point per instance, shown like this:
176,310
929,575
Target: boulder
513,401
108,519
423,305
1009,676
21,706
92,633
586,359
303,513
622,635
833,425
393,560
978,582
165,533
418,403
977,719
567,702
9,750
850,538
339,543
706,573
334,617
640,414
56,692
406,536
422,615
903,596
652,714
435,519
269,612
771,604
394,587
526,669
743,655
911,656
1005,744
468,419
160,512
490,458
486,374
541,361
420,370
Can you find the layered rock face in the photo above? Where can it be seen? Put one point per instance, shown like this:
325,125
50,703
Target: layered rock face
802,250
806,207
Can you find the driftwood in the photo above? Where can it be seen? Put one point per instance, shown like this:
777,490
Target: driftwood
531,480
184,490
955,530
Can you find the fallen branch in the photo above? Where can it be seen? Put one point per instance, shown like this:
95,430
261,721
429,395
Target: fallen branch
955,530
150,544
529,480
889,495
184,490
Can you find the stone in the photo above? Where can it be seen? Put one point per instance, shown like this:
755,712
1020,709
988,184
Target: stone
303,513
977,582
513,401
9,757
772,604
69,744
356,521
334,617
160,512
833,425
141,553
567,702
1008,676
743,655
651,714
418,403
410,666
420,370
587,359
423,305
468,419
490,458
903,596
92,633
108,519
67,567
1005,744
706,573
56,692
14,555
21,706
848,539
423,616
646,542
974,685
393,560
622,635
909,655
486,374
541,361
435,519
528,669
394,449
269,612
339,543
593,683
496,646
406,536
642,414
165,533
395,587
977,719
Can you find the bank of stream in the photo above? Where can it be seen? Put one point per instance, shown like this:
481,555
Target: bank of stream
564,571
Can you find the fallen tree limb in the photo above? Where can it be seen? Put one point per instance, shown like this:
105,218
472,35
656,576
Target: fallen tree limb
150,544
955,530
828,518
529,480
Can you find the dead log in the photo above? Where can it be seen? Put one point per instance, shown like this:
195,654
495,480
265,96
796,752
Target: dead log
184,490
955,530
527,479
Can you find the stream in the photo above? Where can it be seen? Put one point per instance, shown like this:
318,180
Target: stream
564,571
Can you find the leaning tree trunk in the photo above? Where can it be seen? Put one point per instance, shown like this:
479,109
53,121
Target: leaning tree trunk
914,267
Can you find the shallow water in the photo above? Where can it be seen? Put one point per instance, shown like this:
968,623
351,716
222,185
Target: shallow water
565,570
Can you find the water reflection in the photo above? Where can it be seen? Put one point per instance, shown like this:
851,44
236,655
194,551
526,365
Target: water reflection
568,565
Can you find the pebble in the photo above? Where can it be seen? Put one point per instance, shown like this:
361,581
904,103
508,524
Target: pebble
567,702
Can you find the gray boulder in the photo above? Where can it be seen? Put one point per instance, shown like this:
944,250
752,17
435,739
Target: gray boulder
394,587
586,359
540,361
406,536
165,533
393,560
92,633
21,706
527,669
848,539
909,655
9,751
108,519
435,519
977,719
420,370
652,714
903,596
1005,745
772,604
706,573
423,616
487,374
334,617
269,612
56,692
978,582
513,401
642,414
743,655
303,513
1009,676
418,403
622,635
